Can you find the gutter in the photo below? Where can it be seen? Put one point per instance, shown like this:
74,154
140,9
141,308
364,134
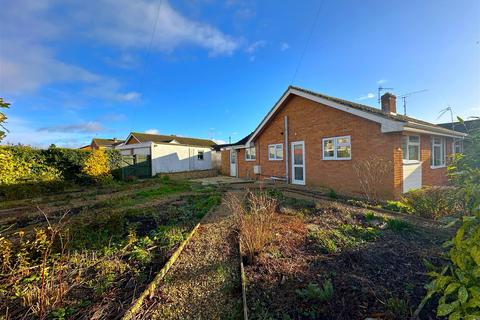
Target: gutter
420,128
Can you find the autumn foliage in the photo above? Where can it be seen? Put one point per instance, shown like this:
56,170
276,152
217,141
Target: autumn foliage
97,166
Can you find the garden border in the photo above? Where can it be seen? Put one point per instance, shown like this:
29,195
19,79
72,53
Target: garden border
243,278
391,212
152,286
132,310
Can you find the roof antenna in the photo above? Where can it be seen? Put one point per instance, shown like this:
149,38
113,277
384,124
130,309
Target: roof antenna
406,95
380,90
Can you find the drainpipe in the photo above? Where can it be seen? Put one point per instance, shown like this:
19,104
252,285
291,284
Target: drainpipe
285,133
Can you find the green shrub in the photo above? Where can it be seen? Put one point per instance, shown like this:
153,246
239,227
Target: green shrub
358,232
397,206
314,293
458,282
433,202
327,241
168,236
399,226
332,194
276,194
370,216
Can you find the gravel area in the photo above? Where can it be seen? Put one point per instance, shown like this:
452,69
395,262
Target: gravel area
204,283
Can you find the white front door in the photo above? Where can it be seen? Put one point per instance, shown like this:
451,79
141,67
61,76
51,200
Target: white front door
298,162
233,163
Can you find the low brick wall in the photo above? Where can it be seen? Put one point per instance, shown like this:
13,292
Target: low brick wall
191,174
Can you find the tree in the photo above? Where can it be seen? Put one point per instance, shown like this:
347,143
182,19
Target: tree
458,284
97,167
3,117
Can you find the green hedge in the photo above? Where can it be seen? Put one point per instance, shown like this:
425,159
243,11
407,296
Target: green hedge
28,171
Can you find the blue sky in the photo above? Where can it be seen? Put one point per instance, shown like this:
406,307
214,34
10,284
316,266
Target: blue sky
77,69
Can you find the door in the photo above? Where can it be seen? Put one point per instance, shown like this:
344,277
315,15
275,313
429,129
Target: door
298,162
233,163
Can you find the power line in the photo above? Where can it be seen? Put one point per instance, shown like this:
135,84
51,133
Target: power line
308,41
147,57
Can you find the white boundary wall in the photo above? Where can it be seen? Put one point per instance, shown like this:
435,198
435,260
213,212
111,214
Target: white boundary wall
173,157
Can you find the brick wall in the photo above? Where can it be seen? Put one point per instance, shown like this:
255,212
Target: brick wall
309,121
433,176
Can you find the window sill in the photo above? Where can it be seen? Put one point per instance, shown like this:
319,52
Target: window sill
336,159
250,160
275,159
438,167
411,162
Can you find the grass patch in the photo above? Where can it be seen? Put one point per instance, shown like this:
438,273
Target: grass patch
168,187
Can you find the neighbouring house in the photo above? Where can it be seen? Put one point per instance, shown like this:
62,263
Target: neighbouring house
465,127
320,141
101,143
151,154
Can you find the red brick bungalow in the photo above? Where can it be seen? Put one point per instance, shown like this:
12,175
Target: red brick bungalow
315,140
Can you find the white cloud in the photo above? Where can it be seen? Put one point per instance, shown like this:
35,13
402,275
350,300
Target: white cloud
219,141
152,131
124,61
23,131
126,23
285,46
255,46
475,109
86,127
382,81
113,117
30,27
369,95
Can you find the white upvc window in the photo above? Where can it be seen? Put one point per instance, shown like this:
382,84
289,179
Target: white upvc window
458,146
337,148
275,151
250,154
411,149
438,157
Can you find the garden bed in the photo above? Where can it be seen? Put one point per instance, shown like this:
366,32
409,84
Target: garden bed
94,264
334,261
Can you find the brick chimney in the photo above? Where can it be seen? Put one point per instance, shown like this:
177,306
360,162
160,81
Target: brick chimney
389,103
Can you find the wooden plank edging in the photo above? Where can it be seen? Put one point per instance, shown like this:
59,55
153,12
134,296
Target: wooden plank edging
160,275
244,283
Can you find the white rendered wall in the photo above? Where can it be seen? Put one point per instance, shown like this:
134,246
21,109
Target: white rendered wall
178,158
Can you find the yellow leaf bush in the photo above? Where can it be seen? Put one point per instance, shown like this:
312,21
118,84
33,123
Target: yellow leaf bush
97,166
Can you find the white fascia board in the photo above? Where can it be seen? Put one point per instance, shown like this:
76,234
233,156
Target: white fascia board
387,125
418,128
135,146
241,146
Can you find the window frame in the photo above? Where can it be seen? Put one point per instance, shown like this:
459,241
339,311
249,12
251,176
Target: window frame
443,147
250,158
202,154
275,147
335,148
458,143
407,160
